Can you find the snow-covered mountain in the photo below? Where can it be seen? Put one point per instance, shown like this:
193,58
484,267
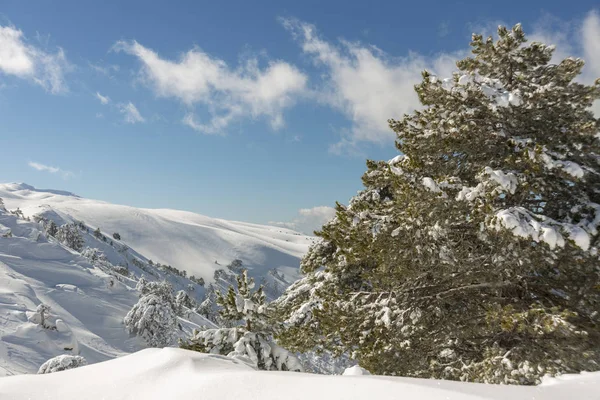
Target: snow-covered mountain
88,297
90,291
187,241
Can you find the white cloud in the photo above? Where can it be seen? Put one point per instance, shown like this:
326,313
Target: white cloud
229,94
23,60
53,170
103,99
576,39
309,219
365,83
590,39
131,113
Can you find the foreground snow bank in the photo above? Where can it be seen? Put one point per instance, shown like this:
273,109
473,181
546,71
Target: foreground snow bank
180,374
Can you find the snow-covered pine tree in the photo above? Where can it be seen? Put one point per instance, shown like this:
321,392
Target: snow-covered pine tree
252,340
183,302
2,208
50,228
473,255
69,235
153,317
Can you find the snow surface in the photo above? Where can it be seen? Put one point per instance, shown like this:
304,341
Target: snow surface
182,239
182,374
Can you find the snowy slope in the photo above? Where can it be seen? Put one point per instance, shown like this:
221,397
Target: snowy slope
184,240
181,374
91,301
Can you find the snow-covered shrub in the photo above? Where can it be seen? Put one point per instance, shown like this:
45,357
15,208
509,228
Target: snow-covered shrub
153,317
42,317
61,363
116,236
69,235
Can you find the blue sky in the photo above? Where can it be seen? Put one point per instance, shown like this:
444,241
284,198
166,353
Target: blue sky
255,111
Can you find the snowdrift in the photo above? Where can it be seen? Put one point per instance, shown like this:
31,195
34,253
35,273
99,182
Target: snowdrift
180,374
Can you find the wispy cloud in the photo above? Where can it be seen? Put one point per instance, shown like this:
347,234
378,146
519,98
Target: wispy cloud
248,91
370,86
53,170
309,219
131,113
103,99
21,59
106,70
366,84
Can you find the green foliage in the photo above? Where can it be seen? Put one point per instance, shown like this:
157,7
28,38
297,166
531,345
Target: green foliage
250,339
473,254
245,305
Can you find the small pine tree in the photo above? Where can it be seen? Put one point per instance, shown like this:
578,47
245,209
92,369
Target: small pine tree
183,302
2,208
246,305
98,233
153,317
51,228
251,341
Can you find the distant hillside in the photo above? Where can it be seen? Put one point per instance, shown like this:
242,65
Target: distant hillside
195,243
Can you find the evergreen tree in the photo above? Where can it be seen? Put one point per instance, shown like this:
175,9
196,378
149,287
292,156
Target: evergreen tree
183,302
2,208
251,341
153,317
98,233
51,228
236,266
473,255
69,235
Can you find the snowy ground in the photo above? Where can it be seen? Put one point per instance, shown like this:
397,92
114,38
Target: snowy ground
181,374
90,301
184,240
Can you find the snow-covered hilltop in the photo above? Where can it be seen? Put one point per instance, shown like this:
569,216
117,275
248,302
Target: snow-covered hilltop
187,241
66,287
